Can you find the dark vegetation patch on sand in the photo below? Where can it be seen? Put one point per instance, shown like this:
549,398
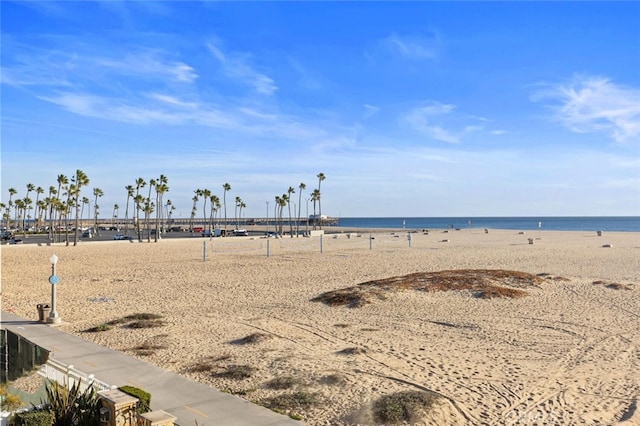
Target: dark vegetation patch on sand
139,320
482,283
292,403
613,286
352,351
235,372
251,339
404,407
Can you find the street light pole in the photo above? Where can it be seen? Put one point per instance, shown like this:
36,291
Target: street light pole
267,217
53,279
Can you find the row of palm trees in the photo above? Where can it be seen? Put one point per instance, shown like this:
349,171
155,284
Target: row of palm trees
56,208
285,201
64,203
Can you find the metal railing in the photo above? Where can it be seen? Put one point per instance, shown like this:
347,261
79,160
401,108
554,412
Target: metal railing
68,375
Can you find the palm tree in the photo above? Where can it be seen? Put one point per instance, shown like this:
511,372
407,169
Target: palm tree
282,202
138,199
161,188
215,204
289,192
5,215
12,192
30,187
97,192
36,215
276,214
315,197
62,180
205,197
152,184
130,190
226,188
214,200
194,209
19,208
85,201
70,193
27,206
302,187
41,209
81,180
115,214
51,203
60,208
235,212
149,207
320,177
242,205
170,209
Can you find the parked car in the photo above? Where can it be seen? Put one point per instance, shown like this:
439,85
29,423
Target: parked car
241,232
15,241
7,235
87,234
121,237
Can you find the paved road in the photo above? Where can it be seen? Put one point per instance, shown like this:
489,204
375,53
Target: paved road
43,239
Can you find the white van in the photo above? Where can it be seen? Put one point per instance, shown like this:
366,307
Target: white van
215,233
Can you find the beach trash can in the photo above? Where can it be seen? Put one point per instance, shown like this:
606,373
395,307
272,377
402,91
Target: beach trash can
599,233
530,240
43,311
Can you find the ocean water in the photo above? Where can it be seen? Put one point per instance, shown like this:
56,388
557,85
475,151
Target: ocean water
564,223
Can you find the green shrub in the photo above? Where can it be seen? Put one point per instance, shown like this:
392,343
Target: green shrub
34,418
144,397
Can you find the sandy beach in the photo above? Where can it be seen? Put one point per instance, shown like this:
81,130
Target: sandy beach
566,352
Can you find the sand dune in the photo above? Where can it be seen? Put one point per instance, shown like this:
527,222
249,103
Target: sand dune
566,352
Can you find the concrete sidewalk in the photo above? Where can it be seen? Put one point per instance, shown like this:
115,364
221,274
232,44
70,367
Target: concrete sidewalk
186,399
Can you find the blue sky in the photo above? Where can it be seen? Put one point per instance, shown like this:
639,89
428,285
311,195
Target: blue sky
408,108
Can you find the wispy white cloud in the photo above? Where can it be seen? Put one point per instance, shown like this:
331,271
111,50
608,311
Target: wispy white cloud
370,110
148,63
595,104
172,100
236,65
428,119
157,108
413,47
167,110
307,79
72,66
